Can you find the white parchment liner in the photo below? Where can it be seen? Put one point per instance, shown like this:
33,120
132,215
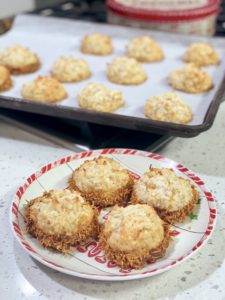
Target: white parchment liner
52,37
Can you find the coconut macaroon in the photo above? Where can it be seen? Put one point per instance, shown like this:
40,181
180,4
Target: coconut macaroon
97,44
102,181
144,49
201,54
100,98
5,79
168,107
44,89
190,79
69,69
125,70
133,236
172,196
19,60
60,219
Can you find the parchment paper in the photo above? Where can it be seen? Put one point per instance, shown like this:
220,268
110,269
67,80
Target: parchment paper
52,37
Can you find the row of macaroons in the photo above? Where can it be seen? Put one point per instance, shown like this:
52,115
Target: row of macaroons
121,70
167,107
141,48
100,98
141,224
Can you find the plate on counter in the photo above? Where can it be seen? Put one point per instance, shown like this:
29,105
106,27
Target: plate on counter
87,260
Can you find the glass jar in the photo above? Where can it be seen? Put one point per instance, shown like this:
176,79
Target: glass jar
185,16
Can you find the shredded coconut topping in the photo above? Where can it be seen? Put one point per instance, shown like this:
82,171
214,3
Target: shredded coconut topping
4,75
44,89
100,174
100,98
61,212
18,57
190,79
168,107
144,49
69,69
125,70
201,54
163,189
97,43
133,228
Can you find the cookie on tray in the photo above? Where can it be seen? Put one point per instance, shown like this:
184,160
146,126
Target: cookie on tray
173,197
5,79
44,89
168,107
60,219
133,236
190,79
102,181
201,54
19,60
97,44
100,98
126,71
144,49
69,69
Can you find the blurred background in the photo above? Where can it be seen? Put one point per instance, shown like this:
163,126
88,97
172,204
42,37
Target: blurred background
12,7
201,17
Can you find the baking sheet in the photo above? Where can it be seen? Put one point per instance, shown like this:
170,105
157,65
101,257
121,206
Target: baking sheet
51,38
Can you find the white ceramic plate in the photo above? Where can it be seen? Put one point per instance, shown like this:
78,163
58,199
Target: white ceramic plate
87,260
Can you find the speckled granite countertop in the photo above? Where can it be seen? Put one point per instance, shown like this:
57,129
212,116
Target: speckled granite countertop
200,277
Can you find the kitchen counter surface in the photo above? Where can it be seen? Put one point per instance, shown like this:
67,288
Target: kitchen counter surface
200,277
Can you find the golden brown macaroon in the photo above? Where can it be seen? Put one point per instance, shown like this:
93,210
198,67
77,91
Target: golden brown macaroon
5,79
102,181
100,98
125,70
97,44
133,236
201,54
19,60
144,49
44,89
173,197
60,219
168,107
190,79
69,69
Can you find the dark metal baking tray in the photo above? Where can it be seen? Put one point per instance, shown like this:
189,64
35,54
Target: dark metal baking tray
116,120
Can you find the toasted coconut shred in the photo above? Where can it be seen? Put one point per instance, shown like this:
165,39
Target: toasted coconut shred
139,259
61,240
180,214
173,216
104,199
19,60
173,197
134,236
99,187
26,69
5,80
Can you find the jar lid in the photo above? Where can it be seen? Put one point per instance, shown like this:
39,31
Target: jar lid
138,12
